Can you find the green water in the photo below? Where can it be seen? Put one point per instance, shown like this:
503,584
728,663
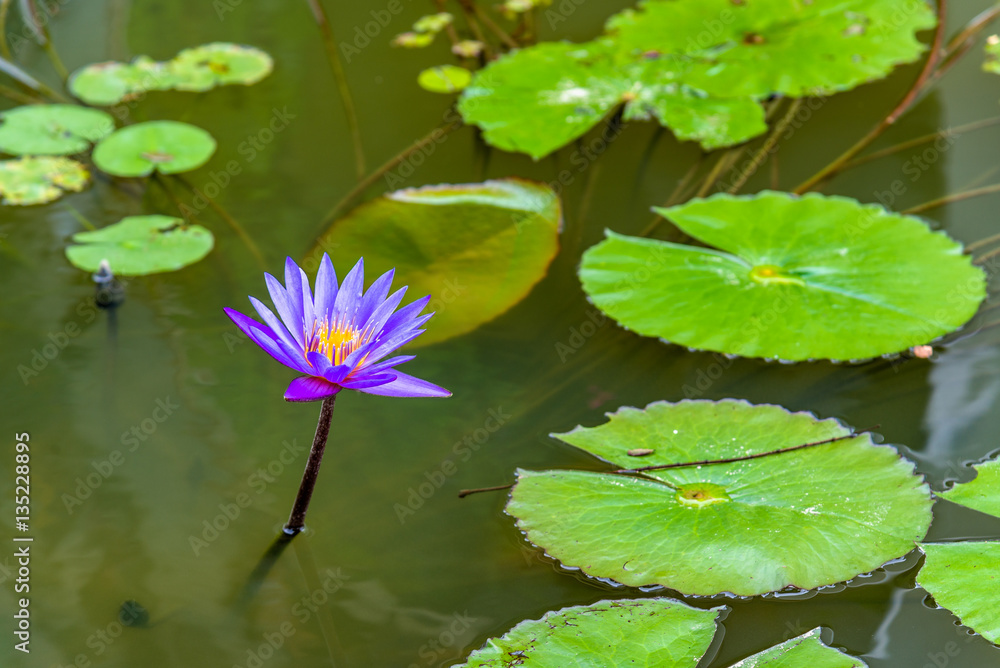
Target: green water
386,577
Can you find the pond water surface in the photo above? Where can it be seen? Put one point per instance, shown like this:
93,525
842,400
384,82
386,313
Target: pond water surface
396,570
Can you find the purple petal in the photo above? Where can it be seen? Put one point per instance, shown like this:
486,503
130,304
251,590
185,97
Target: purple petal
389,363
262,337
308,313
326,288
408,312
407,386
349,295
285,308
277,328
396,340
335,374
293,290
384,310
310,388
319,363
374,297
368,381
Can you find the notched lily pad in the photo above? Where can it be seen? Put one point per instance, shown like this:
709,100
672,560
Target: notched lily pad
168,147
478,249
801,519
538,99
982,493
52,129
108,83
37,180
444,79
646,632
791,48
791,278
140,245
965,579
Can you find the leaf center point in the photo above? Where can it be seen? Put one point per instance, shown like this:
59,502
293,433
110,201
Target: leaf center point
701,494
769,273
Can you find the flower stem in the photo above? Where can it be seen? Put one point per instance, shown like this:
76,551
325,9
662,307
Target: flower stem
297,518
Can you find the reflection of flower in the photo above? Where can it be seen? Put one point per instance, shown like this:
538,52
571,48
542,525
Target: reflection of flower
338,337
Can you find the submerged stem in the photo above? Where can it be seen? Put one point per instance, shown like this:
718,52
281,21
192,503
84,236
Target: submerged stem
297,518
914,92
4,47
329,43
226,216
954,197
764,152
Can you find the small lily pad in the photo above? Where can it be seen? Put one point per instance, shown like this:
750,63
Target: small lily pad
105,84
433,23
219,64
538,99
468,48
805,651
992,62
140,245
37,180
791,278
413,40
168,147
477,249
646,632
52,129
965,579
791,48
801,519
982,493
444,79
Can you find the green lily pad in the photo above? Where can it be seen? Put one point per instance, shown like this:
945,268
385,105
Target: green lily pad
196,69
477,249
141,245
105,84
805,651
965,579
52,129
39,180
444,79
658,632
777,46
219,64
992,62
168,147
982,493
538,99
804,519
794,278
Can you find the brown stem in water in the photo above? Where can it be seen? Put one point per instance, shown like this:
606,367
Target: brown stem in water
918,87
330,44
954,197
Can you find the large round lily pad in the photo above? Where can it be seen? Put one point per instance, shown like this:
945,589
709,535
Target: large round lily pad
52,129
540,98
658,632
965,579
982,493
218,64
804,519
787,277
37,180
140,245
168,147
477,249
775,46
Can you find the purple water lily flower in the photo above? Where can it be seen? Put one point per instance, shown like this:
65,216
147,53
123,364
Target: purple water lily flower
339,338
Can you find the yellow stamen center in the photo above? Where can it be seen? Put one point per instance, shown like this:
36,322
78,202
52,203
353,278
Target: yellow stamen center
337,340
